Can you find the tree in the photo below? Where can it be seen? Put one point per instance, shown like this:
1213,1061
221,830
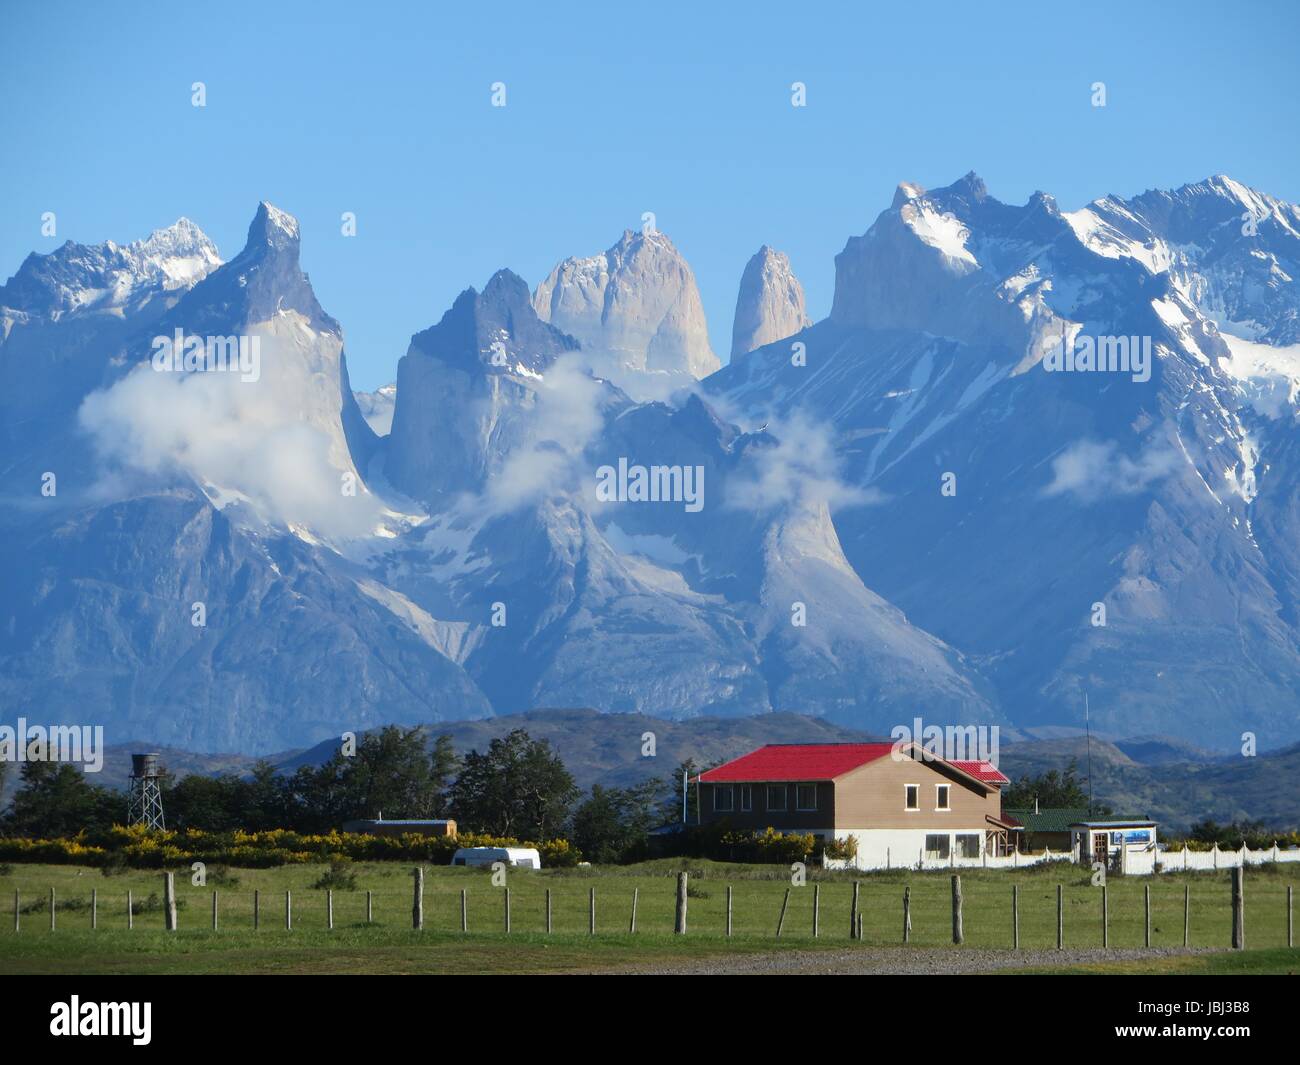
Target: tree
266,800
613,823
670,809
1053,789
518,788
443,767
55,799
391,773
210,803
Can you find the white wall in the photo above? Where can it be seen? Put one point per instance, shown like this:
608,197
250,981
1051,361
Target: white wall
899,848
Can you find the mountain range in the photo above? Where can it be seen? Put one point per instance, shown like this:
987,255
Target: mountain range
922,505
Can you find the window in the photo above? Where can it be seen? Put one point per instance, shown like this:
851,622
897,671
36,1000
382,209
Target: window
936,846
776,797
724,798
968,845
941,796
805,797
913,799
746,797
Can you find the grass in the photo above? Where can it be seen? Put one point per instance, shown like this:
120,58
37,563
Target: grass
390,944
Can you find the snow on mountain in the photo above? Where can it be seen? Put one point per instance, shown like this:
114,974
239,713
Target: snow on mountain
923,516
636,311
107,277
268,434
1232,251
770,305
1066,489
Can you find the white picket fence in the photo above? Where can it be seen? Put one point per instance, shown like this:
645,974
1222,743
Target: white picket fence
1136,862
1014,860
1188,860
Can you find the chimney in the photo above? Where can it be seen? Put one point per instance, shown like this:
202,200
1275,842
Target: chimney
1035,804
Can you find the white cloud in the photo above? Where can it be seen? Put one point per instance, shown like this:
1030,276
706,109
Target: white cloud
266,444
567,417
1091,470
801,467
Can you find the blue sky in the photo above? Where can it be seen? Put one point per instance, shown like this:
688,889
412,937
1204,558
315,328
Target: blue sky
680,109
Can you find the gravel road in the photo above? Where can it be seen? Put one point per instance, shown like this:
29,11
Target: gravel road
890,962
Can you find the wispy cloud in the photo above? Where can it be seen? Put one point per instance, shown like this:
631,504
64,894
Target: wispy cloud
1091,470
247,441
800,467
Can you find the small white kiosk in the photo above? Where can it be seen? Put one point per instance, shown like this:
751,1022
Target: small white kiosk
1123,844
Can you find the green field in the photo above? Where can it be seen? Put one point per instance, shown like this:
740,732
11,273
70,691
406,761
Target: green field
390,944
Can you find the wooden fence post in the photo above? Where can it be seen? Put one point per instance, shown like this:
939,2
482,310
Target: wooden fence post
1239,908
130,911
257,909
169,901
214,909
370,907
1105,918
1187,913
1015,916
817,889
728,910
591,910
1060,917
506,900
1290,917
417,903
631,927
853,911
52,908
548,911
857,932
288,911
464,910
94,908
958,936
780,921
907,915
16,911
1146,891
329,908
679,921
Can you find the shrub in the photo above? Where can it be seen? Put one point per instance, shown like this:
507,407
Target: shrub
340,876
845,849
140,848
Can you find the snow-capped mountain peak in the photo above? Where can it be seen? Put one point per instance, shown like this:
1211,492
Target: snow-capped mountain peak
108,277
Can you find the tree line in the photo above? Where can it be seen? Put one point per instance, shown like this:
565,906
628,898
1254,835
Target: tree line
517,788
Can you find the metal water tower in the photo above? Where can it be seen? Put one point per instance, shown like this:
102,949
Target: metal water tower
144,797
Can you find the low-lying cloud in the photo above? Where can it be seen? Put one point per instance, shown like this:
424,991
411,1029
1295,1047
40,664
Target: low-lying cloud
253,442
1091,470
801,467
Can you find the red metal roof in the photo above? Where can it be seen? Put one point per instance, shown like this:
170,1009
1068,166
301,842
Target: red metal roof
984,771
797,761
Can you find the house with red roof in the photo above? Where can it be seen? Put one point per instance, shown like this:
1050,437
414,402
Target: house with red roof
901,802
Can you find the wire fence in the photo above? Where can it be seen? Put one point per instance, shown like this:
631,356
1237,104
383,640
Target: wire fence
1030,915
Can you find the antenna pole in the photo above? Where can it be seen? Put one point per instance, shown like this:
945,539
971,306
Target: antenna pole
1087,722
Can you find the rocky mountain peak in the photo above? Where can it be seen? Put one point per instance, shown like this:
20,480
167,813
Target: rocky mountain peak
770,305
635,309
